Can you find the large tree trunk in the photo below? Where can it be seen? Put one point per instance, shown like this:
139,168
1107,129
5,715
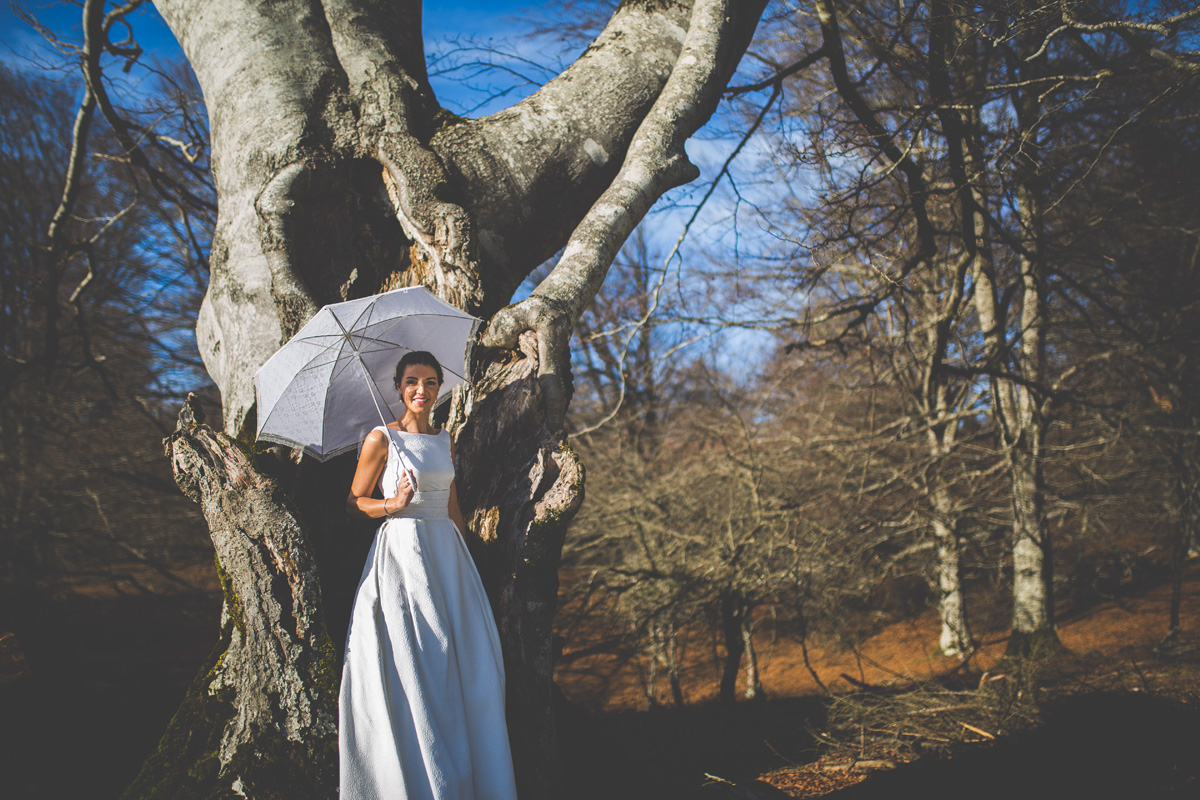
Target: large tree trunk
338,176
260,719
519,508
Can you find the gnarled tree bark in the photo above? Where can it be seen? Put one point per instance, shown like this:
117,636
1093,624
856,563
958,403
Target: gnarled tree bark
339,176
260,719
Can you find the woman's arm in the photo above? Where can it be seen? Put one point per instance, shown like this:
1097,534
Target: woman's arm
371,462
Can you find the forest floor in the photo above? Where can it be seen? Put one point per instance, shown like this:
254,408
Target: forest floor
90,679
1116,712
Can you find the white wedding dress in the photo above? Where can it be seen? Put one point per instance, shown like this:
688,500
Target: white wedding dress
421,709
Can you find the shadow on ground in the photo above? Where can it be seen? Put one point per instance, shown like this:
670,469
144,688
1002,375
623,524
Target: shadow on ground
1098,745
667,753
105,677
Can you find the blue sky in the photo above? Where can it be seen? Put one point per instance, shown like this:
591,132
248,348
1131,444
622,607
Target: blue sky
482,21
442,18
448,23
500,24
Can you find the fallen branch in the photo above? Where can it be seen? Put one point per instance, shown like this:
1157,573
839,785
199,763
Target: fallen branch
980,731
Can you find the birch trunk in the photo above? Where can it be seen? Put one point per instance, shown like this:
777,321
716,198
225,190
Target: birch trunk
939,405
1032,578
754,687
1024,416
955,638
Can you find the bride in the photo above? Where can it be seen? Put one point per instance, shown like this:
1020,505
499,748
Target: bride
421,710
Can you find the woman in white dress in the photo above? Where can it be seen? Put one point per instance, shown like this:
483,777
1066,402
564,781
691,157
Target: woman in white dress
421,709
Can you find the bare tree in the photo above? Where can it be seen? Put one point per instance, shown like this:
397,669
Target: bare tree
624,424
97,265
690,538
338,175
948,207
887,274
1049,86
1134,288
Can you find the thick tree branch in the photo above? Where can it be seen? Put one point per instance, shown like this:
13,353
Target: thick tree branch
655,163
379,45
374,38
528,174
276,94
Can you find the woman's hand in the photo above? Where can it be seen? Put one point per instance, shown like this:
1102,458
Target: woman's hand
371,462
405,489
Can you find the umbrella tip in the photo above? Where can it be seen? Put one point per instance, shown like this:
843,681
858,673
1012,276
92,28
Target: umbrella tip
192,413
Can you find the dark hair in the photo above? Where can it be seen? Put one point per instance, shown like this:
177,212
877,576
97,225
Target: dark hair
422,357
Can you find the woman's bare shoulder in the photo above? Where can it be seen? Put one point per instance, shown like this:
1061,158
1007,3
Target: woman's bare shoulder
376,440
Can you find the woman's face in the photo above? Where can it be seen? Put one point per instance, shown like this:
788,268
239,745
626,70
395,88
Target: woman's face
419,388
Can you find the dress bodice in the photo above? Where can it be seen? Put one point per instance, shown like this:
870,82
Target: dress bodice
428,456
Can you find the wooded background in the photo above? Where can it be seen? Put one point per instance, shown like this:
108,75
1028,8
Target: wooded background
923,332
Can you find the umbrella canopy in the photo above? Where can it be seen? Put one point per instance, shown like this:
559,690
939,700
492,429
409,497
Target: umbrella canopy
332,382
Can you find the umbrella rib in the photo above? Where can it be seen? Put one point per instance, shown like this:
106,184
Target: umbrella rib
389,345
346,336
377,336
371,388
